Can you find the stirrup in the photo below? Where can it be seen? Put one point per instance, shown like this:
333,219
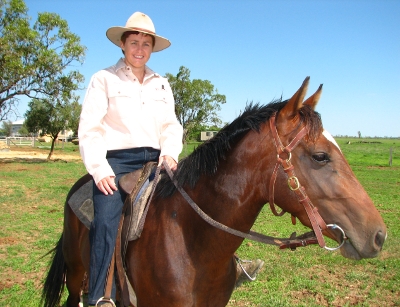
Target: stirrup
238,260
103,299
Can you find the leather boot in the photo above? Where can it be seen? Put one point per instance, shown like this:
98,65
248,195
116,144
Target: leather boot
246,270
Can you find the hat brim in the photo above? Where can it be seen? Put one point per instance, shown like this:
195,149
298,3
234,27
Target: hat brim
114,35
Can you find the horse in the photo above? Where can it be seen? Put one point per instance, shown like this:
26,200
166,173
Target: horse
180,259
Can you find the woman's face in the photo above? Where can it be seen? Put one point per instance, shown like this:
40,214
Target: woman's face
137,48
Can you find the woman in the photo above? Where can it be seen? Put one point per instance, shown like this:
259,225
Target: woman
128,118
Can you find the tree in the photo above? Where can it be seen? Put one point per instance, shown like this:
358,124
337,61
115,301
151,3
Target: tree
196,101
6,128
73,122
33,60
23,131
50,117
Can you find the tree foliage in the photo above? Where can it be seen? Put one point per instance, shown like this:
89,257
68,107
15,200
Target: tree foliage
23,131
6,128
35,61
50,117
197,102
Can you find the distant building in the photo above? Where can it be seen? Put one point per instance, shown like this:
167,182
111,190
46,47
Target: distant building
15,126
63,135
206,135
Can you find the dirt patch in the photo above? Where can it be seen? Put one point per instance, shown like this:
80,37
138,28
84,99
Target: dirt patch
33,154
4,147
8,241
14,278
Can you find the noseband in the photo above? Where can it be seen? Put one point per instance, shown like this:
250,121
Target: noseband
284,159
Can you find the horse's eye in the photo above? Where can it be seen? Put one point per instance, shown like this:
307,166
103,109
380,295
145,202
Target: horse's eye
321,157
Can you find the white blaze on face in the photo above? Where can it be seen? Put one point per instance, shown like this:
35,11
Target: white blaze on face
330,138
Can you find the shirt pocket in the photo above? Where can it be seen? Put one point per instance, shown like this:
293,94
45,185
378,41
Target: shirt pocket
121,103
157,105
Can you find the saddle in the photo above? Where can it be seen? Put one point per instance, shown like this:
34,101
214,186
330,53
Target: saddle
138,188
137,185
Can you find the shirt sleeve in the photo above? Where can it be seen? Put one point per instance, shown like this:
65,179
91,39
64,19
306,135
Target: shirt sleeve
171,130
91,129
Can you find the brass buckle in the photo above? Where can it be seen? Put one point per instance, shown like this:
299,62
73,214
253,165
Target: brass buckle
296,181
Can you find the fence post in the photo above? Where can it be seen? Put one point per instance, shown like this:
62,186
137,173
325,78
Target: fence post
390,156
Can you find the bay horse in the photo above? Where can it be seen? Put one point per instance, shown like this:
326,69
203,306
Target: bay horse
180,260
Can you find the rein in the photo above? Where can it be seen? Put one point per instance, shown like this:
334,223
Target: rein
317,222
292,242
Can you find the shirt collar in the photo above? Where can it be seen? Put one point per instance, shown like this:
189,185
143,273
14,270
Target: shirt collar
148,72
120,64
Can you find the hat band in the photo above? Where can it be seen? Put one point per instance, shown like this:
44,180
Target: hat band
143,30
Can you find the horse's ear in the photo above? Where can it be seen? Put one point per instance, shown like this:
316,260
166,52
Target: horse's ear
296,102
313,100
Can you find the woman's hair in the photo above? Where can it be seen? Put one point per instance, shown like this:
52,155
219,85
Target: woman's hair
127,33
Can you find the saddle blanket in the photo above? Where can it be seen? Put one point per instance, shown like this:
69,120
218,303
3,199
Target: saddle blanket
81,203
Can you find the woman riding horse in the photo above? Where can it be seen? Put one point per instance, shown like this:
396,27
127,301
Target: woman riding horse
128,119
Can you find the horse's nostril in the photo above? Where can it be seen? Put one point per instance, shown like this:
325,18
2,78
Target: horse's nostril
380,239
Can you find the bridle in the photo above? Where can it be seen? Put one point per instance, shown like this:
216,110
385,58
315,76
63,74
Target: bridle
317,222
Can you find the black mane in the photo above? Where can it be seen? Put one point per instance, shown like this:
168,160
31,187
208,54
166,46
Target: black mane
204,160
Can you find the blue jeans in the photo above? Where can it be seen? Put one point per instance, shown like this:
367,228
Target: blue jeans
107,213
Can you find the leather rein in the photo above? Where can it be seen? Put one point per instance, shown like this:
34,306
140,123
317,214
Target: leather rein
317,222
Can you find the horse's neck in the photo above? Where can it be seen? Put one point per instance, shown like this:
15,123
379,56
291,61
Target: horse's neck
234,197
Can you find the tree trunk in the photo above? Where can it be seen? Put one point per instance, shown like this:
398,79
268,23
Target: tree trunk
53,140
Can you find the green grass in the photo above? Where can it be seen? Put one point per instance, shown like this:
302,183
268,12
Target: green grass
31,217
370,152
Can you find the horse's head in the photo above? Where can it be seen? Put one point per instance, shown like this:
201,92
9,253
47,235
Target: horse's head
327,178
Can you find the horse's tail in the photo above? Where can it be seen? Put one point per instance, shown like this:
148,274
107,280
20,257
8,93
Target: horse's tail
54,283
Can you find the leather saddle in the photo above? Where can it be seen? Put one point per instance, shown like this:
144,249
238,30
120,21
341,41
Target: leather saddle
137,187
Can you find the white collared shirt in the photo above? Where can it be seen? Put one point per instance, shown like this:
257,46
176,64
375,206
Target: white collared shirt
119,112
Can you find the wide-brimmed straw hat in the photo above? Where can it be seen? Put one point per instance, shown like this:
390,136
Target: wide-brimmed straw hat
142,23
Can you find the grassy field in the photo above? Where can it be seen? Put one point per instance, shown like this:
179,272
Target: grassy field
31,216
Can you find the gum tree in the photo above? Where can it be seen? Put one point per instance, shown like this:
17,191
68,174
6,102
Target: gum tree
35,60
197,102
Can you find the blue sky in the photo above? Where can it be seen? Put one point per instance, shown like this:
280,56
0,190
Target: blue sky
258,50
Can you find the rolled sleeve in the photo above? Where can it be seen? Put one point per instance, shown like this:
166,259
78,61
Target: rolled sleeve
92,130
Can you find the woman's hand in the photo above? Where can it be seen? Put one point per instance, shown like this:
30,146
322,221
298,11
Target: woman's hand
107,185
171,162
